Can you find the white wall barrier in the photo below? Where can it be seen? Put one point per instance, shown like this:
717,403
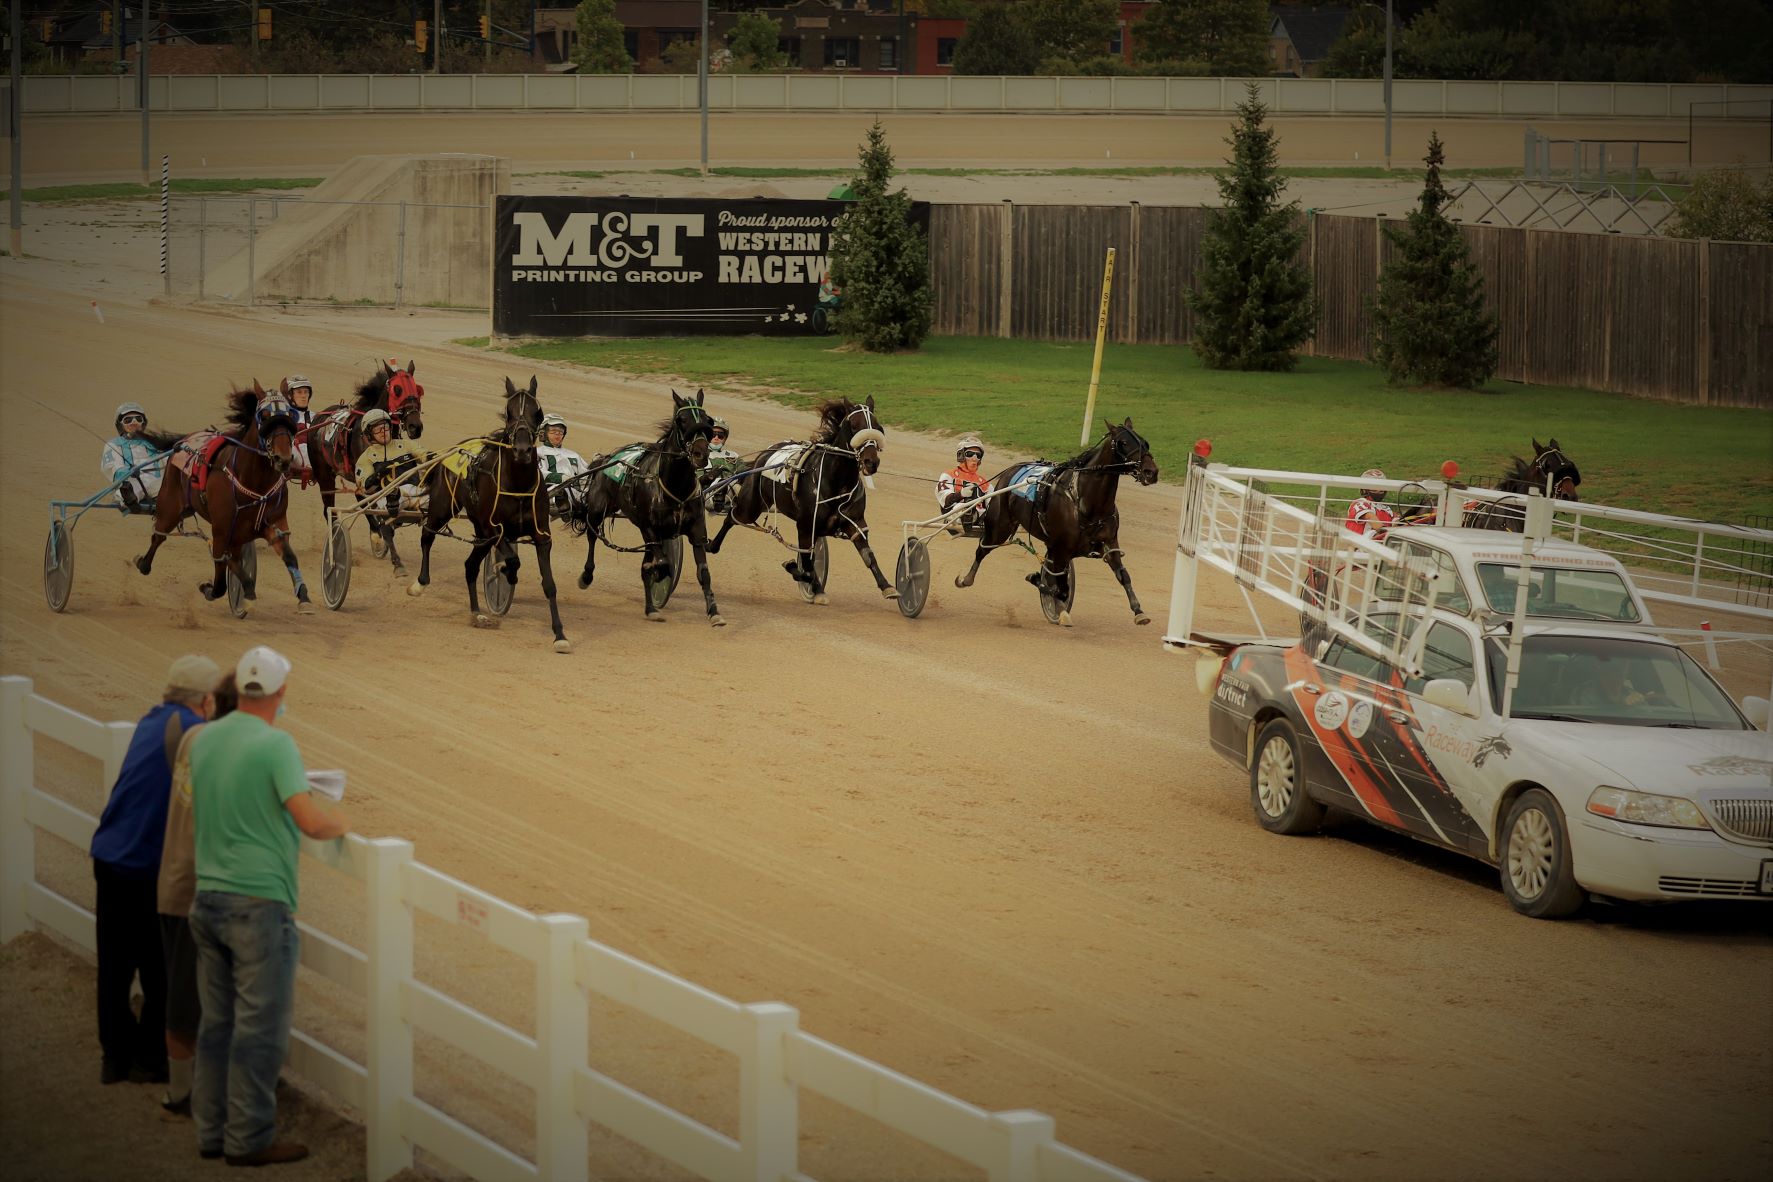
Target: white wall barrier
776,1059
52,94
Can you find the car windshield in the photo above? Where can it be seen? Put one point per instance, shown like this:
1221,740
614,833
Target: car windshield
1563,593
1615,680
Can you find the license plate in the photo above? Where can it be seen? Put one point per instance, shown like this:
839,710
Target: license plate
1767,877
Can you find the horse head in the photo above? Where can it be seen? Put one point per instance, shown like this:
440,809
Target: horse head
404,396
1130,450
859,430
1552,468
266,421
523,419
690,428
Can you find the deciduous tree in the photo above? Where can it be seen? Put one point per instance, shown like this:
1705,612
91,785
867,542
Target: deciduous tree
1229,36
599,49
756,44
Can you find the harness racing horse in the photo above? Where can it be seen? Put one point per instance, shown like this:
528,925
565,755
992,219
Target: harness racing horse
822,490
1072,511
336,438
500,490
240,486
1550,472
658,487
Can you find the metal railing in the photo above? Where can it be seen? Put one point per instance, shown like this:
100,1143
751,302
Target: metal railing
1640,208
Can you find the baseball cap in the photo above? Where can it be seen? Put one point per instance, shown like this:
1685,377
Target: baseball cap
193,673
261,672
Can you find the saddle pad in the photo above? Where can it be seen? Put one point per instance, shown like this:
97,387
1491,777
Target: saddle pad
193,455
1028,477
457,461
619,464
782,463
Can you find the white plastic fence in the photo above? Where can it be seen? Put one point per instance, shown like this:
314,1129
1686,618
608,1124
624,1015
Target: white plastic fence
776,1059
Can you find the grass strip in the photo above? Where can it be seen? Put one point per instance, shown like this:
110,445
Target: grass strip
126,190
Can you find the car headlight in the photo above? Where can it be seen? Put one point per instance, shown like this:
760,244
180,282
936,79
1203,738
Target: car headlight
1645,808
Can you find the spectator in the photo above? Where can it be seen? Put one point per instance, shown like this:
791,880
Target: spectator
249,798
177,888
125,864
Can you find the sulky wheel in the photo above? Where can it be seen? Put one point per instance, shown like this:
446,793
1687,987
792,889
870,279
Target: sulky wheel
821,569
1050,604
335,567
912,577
494,587
659,591
58,566
246,559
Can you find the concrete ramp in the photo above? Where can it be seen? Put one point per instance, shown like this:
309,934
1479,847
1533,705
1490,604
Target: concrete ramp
408,230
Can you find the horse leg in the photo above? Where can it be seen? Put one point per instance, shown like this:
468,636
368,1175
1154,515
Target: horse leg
800,567
471,568
1054,575
435,516
545,567
860,538
991,537
393,554
167,511
652,567
590,571
1113,558
743,510
218,550
278,537
698,536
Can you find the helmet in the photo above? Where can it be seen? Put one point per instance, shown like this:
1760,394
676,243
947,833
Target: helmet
720,425
1377,494
296,381
969,442
374,418
128,408
553,421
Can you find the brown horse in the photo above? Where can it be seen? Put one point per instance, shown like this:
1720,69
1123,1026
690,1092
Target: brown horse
244,494
335,440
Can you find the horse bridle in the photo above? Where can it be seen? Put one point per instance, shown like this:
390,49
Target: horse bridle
869,433
1555,475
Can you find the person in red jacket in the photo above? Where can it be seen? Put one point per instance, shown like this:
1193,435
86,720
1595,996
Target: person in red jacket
1367,513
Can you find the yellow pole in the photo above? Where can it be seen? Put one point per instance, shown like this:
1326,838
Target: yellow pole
1101,334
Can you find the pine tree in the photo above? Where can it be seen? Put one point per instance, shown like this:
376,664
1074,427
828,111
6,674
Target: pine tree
599,49
1253,307
1430,326
997,41
880,259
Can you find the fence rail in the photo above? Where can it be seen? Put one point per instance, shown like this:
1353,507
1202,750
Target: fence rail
776,1059
320,93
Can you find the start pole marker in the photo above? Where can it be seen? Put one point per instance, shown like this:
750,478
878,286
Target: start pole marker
97,312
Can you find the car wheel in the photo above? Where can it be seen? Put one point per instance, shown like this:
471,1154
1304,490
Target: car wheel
1537,875
1277,783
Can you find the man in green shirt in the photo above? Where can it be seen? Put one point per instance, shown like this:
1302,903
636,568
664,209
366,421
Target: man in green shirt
250,804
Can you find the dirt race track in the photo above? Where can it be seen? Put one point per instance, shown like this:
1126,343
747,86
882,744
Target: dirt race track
987,852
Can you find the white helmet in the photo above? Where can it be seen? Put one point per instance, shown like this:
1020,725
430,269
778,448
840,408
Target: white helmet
553,421
129,408
374,418
1378,494
294,382
969,443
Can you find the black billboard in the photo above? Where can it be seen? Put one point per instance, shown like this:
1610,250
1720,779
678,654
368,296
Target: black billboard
663,266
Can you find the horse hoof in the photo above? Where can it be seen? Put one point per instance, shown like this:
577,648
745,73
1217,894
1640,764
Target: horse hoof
1064,619
653,617
716,622
482,620
821,599
400,572
563,646
583,582
141,564
416,589
1141,618
209,593
304,608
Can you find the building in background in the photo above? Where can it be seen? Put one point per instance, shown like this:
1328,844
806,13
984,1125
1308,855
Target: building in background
1299,38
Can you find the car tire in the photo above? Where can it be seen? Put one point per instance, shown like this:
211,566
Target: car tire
1537,872
1277,783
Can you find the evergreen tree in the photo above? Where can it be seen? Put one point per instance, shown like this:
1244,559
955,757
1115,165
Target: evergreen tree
599,49
880,259
997,42
1253,307
1430,326
1229,36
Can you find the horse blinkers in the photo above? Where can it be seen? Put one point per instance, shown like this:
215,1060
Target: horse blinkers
1143,464
867,441
276,425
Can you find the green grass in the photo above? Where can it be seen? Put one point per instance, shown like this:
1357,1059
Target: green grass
128,190
1326,416
1354,171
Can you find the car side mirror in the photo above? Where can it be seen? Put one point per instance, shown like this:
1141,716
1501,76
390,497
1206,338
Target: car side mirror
1449,694
1757,710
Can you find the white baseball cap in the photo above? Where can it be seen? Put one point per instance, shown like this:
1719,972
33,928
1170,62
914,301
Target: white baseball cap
261,672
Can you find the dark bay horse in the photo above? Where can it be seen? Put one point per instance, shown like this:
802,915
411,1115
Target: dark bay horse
822,493
658,487
500,490
245,492
1550,472
1072,511
336,440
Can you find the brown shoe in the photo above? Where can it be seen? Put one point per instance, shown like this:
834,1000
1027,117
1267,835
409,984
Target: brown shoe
275,1154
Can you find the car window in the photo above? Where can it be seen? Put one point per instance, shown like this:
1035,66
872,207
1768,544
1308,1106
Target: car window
1351,658
1615,680
1560,592
1451,588
1447,653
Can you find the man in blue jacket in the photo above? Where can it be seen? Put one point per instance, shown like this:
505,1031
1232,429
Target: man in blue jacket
126,865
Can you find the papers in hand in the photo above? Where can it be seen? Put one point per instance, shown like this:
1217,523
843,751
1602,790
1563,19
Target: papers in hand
330,784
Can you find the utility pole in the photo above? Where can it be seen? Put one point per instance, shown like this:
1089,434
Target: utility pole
117,35
702,80
437,36
1387,85
15,125
142,79
901,46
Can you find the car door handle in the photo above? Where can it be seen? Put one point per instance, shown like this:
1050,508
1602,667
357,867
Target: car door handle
1398,716
1312,689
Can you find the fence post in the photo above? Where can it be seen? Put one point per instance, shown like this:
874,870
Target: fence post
562,1026
1006,264
400,257
1024,1134
252,238
202,242
1133,336
769,1105
120,733
388,1034
1704,322
18,845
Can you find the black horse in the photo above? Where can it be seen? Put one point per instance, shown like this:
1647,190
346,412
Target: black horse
498,486
1072,510
658,487
1550,472
820,489
335,439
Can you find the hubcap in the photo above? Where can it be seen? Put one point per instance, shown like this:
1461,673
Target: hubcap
1530,850
1274,777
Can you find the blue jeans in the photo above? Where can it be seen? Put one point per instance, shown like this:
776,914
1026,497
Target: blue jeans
247,950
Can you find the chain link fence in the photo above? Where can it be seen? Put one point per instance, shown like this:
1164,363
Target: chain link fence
297,250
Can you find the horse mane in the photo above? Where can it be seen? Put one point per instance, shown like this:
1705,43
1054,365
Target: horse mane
831,414
1516,479
163,440
241,406
1080,459
372,391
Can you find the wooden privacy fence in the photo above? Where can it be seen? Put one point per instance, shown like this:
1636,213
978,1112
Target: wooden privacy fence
776,1059
1682,319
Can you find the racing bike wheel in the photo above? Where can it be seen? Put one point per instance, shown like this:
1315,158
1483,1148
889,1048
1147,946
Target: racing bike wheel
1277,783
1537,875
912,577
335,567
58,566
